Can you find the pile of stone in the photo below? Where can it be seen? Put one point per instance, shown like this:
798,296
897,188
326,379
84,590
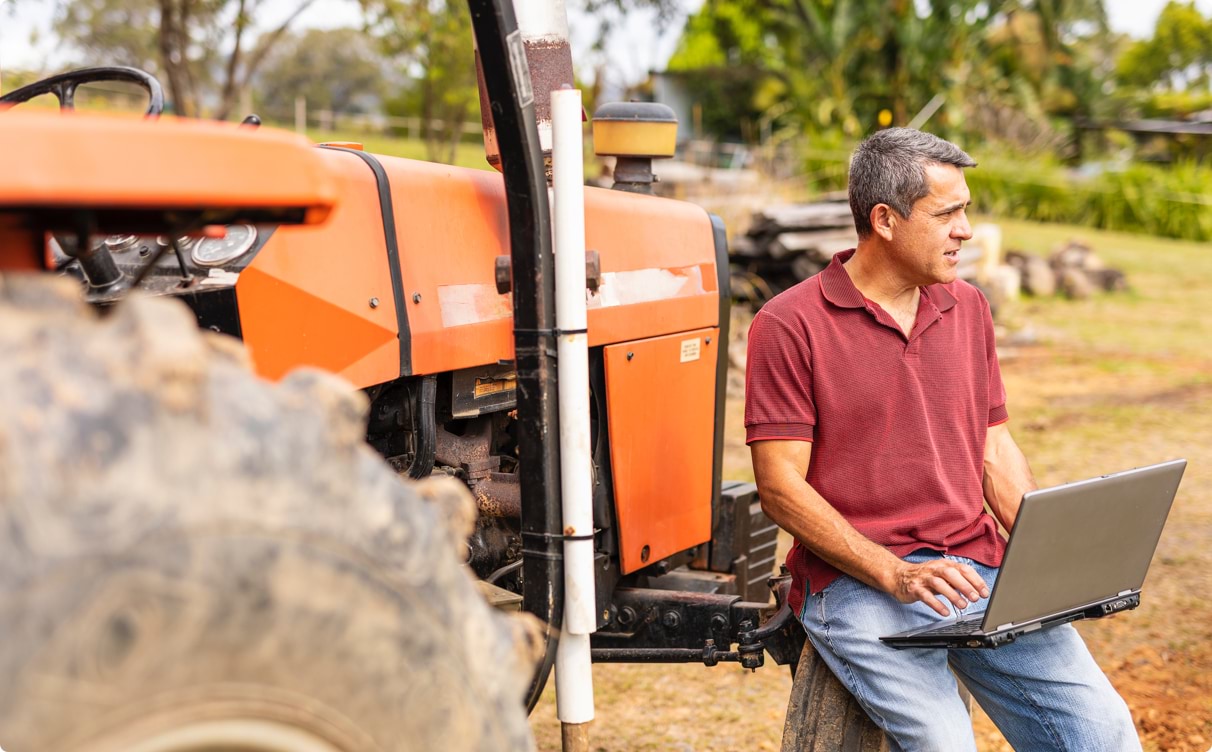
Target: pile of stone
1073,270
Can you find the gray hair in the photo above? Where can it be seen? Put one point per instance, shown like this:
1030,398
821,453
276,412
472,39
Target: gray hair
890,168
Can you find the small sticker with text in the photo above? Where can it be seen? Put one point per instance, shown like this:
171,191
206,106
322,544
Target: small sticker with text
690,349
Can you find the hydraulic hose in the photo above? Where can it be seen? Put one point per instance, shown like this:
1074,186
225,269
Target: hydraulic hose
511,100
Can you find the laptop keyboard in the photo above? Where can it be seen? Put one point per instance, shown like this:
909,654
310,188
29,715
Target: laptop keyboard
962,627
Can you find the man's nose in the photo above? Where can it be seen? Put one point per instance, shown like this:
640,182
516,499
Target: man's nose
962,229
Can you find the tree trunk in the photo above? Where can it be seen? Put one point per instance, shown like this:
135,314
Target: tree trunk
822,716
230,88
454,130
172,57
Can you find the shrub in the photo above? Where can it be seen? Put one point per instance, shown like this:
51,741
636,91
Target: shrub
1169,201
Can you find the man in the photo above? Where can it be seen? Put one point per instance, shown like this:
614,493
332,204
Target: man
876,417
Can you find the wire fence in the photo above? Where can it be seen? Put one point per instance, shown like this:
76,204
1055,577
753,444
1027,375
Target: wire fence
363,122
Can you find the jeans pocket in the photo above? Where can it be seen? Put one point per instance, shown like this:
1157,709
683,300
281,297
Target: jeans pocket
818,602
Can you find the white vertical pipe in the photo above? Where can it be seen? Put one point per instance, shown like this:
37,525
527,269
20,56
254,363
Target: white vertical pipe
568,217
574,679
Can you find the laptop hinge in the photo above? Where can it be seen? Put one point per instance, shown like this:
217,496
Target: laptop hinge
1007,625
1123,593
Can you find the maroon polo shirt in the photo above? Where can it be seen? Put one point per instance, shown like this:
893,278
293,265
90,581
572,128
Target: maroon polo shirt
897,423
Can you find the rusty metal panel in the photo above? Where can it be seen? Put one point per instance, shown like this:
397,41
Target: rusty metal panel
660,396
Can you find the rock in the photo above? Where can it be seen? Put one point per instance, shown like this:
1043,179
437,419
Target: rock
1110,280
1006,282
1076,284
1038,278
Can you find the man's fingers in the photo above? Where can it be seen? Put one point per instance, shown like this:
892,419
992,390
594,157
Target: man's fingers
931,582
927,596
961,577
944,588
975,580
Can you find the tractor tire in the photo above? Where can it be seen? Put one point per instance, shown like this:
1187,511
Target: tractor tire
192,559
822,716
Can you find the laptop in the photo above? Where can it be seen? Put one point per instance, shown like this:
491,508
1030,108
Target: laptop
1077,551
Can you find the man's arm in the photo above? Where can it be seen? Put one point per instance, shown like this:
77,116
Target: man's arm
1007,475
794,505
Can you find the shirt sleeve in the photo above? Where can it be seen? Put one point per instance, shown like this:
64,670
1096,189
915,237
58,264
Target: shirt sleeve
997,390
778,382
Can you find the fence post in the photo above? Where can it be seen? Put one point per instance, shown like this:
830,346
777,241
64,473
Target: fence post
300,113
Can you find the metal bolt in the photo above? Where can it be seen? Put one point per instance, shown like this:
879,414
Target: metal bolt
416,297
374,302
630,355
672,620
709,340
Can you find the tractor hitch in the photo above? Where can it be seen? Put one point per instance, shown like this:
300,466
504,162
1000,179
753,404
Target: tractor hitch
661,626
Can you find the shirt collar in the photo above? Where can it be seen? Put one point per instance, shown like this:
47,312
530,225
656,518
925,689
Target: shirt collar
839,290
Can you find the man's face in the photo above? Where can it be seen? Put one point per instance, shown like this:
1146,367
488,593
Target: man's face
926,243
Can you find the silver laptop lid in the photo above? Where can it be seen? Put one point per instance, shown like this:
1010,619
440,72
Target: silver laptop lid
1079,543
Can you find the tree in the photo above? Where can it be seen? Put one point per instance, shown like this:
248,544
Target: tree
432,41
208,50
841,63
334,69
1177,57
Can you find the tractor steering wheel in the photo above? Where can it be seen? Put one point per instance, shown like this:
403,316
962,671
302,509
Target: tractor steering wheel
64,85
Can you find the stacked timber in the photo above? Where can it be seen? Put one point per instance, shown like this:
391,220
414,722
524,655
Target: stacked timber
787,244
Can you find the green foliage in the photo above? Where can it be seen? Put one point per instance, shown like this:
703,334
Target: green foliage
1179,53
204,50
333,69
105,32
1175,105
432,40
1170,202
848,65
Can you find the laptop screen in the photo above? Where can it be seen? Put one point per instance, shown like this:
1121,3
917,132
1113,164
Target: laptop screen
1077,544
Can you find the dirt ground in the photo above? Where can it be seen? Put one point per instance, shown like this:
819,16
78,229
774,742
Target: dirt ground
1105,384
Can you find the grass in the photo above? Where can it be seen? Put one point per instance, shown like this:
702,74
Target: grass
1122,380
467,154
1163,315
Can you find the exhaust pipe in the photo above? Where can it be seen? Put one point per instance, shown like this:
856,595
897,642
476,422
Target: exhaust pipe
505,85
541,46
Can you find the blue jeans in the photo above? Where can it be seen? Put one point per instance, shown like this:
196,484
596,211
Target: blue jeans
1044,690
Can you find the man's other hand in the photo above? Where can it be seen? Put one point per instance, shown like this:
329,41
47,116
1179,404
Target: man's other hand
958,583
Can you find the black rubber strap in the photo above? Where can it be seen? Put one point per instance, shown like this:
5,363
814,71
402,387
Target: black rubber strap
548,332
393,253
553,537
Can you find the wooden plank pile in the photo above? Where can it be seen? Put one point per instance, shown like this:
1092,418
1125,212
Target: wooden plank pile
787,244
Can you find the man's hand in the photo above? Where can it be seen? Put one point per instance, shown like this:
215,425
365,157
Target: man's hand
958,583
794,505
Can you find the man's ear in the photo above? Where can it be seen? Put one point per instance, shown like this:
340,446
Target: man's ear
883,220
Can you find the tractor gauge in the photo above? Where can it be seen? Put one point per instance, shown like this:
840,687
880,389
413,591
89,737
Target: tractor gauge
219,251
118,243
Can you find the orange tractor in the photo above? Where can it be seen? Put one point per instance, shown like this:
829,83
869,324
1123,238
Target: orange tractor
194,558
